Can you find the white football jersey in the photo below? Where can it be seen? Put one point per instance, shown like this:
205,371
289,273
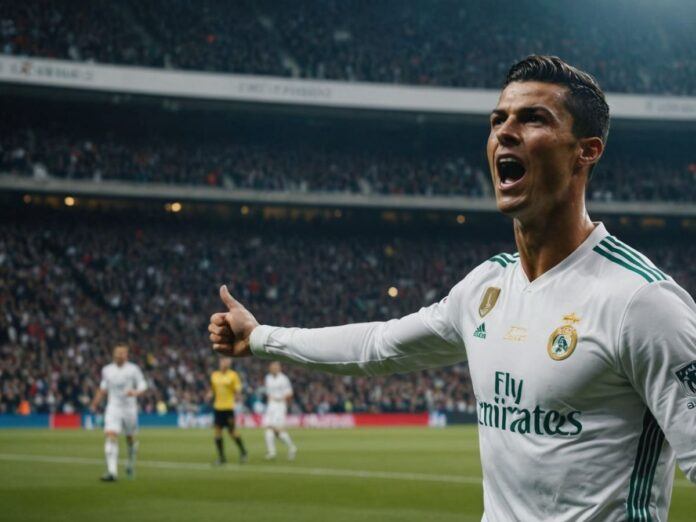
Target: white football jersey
278,387
118,380
585,378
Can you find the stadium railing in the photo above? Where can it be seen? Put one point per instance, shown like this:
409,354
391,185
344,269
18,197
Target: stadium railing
63,74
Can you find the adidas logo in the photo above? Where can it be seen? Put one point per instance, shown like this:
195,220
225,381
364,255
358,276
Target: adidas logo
480,332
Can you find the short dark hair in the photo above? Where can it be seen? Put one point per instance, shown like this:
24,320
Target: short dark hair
585,100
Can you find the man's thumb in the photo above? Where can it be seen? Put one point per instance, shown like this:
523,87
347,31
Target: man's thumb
227,298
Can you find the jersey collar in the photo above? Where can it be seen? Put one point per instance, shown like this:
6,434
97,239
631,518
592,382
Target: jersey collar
599,233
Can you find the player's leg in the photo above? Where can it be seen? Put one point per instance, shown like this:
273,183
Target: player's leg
270,443
111,455
218,424
232,429
132,454
284,437
269,422
112,427
130,424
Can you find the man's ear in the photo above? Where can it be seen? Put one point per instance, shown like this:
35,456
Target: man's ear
591,150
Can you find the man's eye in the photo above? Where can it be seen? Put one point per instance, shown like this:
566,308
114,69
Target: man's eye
496,121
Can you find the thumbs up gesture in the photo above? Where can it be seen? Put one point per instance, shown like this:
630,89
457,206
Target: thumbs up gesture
230,331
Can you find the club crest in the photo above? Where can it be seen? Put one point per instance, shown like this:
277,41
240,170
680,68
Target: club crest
562,342
686,375
490,298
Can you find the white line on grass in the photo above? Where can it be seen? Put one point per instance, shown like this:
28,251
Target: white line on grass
271,468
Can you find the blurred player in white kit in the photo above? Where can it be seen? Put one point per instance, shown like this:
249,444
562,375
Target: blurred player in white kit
278,393
122,382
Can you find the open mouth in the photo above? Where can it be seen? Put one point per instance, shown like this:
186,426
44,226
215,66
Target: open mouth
510,170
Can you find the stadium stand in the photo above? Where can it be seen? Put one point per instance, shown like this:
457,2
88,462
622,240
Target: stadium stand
70,153
70,291
631,46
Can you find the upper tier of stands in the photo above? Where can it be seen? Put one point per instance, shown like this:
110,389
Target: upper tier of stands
69,151
630,46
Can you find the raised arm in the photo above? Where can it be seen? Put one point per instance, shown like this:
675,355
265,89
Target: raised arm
424,339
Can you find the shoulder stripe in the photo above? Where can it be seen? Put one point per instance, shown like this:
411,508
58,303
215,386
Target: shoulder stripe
499,260
619,250
649,449
504,259
637,254
621,262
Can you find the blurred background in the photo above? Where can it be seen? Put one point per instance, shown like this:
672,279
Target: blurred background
325,159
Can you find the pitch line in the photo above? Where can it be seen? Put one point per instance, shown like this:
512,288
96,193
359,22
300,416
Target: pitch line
270,469
251,468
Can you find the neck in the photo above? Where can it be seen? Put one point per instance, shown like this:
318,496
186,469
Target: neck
545,241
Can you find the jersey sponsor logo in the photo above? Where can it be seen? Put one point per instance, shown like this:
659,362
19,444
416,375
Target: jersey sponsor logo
490,298
516,333
686,375
564,339
480,332
505,412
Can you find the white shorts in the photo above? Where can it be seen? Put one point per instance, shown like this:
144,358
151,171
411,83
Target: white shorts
118,420
275,415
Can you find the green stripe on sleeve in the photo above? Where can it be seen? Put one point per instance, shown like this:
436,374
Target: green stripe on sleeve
643,475
499,260
617,248
621,262
640,256
622,252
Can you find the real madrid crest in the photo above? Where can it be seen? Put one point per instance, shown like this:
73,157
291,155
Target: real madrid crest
490,297
564,339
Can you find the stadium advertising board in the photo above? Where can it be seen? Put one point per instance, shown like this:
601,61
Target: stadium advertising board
336,94
205,420
311,420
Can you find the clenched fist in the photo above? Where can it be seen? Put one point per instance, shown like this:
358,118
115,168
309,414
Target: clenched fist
230,331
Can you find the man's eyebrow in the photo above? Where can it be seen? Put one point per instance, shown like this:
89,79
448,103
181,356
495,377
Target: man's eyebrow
535,108
525,111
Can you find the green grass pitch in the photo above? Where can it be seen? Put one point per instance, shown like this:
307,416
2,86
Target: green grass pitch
397,475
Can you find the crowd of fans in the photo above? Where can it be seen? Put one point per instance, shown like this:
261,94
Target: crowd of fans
630,46
68,293
65,153
218,163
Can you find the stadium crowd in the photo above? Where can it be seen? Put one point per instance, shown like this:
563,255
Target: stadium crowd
219,163
69,292
630,46
65,153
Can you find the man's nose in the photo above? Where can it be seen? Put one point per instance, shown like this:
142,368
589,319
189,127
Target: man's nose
507,133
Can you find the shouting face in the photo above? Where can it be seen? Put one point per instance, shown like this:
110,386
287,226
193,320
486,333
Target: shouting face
535,159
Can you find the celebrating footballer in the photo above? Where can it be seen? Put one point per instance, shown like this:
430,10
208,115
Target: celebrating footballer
579,347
